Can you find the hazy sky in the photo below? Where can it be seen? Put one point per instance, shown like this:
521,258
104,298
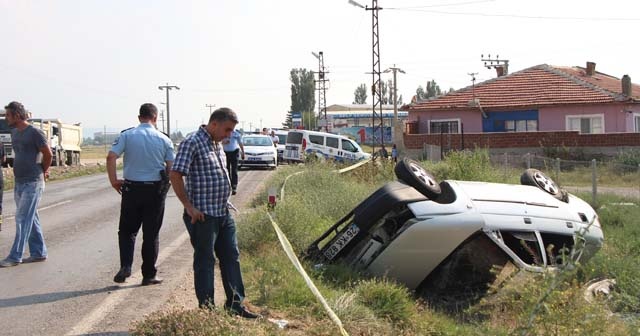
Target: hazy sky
95,62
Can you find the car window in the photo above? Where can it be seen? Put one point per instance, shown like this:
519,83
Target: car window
348,146
294,138
316,139
282,138
332,142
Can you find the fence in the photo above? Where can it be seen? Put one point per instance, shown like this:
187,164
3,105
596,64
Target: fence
577,176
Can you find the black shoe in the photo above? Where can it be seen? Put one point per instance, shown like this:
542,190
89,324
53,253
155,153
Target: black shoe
122,274
243,312
151,281
233,191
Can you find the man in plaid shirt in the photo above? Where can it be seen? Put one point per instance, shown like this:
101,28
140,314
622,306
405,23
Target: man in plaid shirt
201,161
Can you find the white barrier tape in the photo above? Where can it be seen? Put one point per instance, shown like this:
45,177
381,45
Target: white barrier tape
288,249
340,171
354,166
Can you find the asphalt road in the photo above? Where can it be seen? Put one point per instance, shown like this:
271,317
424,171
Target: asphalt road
73,292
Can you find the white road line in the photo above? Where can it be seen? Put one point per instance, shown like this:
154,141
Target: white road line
45,208
110,302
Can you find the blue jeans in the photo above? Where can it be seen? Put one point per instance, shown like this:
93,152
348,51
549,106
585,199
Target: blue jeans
27,196
216,234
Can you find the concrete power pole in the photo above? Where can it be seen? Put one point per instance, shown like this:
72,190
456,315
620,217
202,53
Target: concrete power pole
168,88
397,130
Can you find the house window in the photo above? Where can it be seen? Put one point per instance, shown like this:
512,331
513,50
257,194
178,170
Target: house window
586,124
636,118
444,126
520,125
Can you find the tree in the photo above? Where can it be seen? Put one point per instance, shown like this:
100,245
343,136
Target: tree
302,94
360,94
391,93
433,90
383,93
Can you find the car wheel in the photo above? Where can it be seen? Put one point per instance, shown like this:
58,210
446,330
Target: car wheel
536,178
415,175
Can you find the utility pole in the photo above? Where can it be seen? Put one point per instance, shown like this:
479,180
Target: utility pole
210,111
376,88
168,88
322,89
397,139
501,65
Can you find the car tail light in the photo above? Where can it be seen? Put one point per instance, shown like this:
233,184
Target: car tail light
304,144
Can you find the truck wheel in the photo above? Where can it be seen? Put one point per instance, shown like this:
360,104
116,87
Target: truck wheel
413,174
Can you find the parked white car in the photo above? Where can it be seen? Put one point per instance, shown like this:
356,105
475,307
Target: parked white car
259,151
450,237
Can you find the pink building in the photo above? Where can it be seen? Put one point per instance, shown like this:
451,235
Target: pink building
540,98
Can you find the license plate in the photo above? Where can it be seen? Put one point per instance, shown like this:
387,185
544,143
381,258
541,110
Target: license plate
341,242
292,154
254,159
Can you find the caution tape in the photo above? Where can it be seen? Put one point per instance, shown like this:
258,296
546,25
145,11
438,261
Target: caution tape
288,249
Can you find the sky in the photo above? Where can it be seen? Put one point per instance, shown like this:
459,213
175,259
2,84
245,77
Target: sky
95,62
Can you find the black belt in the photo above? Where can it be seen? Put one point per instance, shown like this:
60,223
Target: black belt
141,182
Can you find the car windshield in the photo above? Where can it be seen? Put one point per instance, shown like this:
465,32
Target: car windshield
257,141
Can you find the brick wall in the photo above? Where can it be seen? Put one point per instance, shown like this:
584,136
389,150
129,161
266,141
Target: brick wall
523,140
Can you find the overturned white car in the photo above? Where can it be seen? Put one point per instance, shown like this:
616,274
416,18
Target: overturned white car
445,239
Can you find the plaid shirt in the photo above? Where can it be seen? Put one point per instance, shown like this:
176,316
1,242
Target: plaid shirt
204,166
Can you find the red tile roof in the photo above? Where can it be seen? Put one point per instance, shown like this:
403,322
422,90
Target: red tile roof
541,85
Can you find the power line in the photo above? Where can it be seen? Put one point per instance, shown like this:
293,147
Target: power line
516,16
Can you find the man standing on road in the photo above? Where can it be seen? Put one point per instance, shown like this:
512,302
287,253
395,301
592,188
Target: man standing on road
3,159
274,138
30,169
232,147
148,154
206,211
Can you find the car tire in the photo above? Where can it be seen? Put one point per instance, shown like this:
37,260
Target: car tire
412,173
536,178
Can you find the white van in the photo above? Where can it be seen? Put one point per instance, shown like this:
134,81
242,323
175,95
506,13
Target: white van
302,143
282,139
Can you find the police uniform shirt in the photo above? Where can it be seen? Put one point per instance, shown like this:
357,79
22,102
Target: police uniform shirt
145,151
232,143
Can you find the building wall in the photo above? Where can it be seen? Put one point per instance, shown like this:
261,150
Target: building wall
615,118
470,119
607,144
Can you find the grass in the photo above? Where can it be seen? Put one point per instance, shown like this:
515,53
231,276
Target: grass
527,304
95,152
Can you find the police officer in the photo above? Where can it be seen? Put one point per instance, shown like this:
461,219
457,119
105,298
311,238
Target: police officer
148,155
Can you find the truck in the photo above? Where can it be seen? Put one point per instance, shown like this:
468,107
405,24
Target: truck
64,140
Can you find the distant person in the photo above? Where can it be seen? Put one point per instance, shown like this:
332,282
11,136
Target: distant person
32,158
274,138
148,154
394,153
264,131
233,148
206,211
3,160
383,152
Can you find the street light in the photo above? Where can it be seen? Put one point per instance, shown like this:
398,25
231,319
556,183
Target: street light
168,88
